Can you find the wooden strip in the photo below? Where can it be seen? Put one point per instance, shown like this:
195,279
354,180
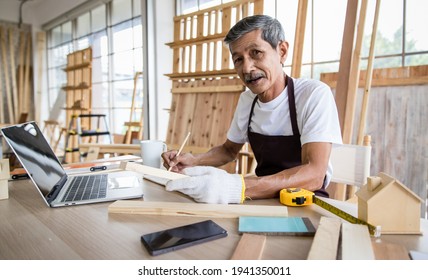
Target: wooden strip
226,25
389,251
111,148
299,38
13,73
26,96
354,76
144,169
41,44
194,209
363,114
21,70
6,76
345,68
1,103
356,243
326,240
250,247
205,74
258,7
210,89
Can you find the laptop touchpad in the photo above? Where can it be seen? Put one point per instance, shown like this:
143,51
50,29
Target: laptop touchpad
123,182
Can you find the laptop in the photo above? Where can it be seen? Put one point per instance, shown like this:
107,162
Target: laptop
56,186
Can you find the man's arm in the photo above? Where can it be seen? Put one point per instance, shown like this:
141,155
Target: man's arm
310,175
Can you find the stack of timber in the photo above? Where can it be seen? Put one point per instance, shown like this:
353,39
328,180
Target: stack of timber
16,92
205,87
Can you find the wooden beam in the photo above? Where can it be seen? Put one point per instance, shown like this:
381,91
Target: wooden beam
1,101
326,240
396,76
41,44
356,243
26,92
345,66
299,38
250,247
21,70
389,251
369,76
194,209
13,74
208,89
6,75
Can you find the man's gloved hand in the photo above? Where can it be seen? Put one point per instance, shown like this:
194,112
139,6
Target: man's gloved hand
210,185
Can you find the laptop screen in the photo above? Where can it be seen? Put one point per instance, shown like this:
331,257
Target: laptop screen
35,155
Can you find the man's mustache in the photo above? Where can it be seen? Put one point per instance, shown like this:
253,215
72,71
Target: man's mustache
253,76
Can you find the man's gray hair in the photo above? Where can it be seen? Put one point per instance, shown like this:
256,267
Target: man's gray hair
272,31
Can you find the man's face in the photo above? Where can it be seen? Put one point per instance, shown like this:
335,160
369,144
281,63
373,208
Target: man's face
258,64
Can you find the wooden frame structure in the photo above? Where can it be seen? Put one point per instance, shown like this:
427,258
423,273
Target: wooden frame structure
205,87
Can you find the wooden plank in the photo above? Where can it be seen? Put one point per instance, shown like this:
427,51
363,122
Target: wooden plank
326,240
202,120
41,44
356,243
299,38
21,70
363,115
345,68
9,100
250,247
13,73
1,102
258,7
389,251
26,92
226,25
396,76
194,209
225,105
354,76
209,89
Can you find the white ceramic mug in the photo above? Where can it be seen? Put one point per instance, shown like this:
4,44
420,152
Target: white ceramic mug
151,151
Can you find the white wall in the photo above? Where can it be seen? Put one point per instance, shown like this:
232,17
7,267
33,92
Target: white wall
39,12
164,33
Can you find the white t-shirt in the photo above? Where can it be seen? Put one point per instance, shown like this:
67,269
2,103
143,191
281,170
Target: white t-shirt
317,117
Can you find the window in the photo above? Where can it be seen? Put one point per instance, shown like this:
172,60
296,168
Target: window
400,39
114,32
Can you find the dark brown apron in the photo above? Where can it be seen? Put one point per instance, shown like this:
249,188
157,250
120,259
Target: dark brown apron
276,153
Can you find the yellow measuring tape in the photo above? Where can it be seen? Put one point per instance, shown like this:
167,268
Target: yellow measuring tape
301,197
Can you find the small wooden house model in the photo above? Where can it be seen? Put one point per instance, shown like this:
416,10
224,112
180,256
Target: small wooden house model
386,202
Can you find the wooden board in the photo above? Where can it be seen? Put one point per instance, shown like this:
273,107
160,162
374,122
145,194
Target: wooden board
356,243
326,240
194,209
389,251
250,247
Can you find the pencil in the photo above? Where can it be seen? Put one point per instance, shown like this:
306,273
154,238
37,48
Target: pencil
181,148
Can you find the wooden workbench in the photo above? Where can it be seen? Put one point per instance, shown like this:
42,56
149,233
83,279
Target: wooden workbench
31,230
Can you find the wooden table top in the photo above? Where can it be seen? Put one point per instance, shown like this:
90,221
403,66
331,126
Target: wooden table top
31,230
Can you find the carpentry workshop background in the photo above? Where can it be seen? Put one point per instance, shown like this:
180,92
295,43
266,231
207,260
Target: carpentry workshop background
100,76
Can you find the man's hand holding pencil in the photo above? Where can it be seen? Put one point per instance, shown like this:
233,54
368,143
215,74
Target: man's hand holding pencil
175,161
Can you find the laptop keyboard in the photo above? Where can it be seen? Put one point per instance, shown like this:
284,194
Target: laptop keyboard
87,187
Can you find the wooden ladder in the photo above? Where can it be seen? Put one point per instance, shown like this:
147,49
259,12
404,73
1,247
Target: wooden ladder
134,124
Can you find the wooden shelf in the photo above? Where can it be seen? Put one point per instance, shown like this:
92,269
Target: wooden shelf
79,66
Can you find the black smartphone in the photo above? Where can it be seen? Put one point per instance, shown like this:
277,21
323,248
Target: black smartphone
181,237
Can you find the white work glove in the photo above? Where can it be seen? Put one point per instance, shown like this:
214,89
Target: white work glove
210,185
